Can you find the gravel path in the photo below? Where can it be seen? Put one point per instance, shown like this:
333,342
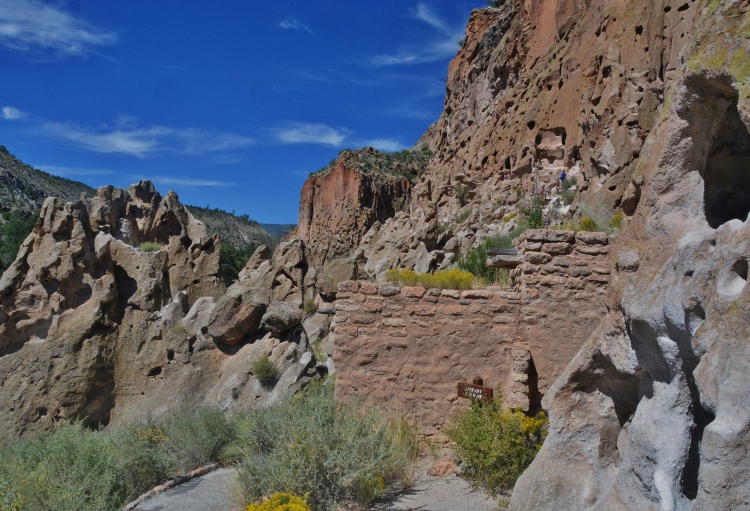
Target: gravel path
212,493
450,493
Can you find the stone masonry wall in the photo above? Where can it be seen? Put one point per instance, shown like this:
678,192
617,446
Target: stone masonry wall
406,348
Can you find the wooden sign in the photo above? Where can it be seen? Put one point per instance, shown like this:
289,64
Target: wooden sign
475,390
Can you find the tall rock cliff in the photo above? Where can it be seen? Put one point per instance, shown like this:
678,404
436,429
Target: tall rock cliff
340,203
652,413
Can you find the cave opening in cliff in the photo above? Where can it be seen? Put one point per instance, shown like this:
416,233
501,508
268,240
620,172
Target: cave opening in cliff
727,172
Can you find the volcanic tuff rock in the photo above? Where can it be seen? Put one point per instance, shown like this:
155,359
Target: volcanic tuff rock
339,205
653,411
93,326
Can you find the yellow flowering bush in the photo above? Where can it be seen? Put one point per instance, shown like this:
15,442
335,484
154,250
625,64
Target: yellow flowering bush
281,502
496,444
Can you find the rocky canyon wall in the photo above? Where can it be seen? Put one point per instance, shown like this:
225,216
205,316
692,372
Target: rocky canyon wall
652,412
339,205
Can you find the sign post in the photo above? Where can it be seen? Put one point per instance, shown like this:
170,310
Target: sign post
475,390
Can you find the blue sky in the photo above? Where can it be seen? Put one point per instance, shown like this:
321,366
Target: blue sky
228,103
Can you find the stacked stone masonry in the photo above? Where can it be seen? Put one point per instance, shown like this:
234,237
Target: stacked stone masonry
407,348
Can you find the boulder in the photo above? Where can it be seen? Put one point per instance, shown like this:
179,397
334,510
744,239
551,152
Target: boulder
238,313
280,317
335,271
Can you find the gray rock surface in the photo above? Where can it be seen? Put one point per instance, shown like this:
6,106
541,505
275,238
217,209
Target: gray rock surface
653,413
280,317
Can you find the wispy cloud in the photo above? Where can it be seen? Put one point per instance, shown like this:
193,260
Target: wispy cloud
424,13
74,171
143,141
189,182
295,24
34,26
444,46
308,133
13,114
383,144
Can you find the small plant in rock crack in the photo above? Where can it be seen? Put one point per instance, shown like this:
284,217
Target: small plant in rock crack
462,193
264,370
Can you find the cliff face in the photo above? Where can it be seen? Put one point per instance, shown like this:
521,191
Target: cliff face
339,205
538,88
650,414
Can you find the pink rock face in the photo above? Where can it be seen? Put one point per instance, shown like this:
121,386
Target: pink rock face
338,207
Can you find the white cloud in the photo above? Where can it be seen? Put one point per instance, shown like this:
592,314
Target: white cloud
173,181
305,133
74,171
31,25
424,13
13,114
295,24
445,46
383,144
142,141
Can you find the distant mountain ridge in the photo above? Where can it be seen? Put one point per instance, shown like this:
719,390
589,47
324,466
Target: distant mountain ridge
24,188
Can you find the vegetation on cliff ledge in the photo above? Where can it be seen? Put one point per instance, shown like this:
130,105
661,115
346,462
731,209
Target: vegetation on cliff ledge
409,163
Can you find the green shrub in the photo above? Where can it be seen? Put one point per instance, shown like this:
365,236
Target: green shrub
533,214
148,246
475,259
443,279
264,370
332,451
75,468
232,260
587,224
463,215
496,445
10,499
615,223
310,307
462,193
567,196
197,439
14,232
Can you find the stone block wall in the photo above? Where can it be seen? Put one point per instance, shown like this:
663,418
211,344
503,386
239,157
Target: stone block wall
406,348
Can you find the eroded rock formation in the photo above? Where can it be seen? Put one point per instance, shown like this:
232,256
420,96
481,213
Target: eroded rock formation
650,414
114,302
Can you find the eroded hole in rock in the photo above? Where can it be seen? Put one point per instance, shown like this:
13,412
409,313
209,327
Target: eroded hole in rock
95,412
170,355
736,279
727,172
126,287
153,373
